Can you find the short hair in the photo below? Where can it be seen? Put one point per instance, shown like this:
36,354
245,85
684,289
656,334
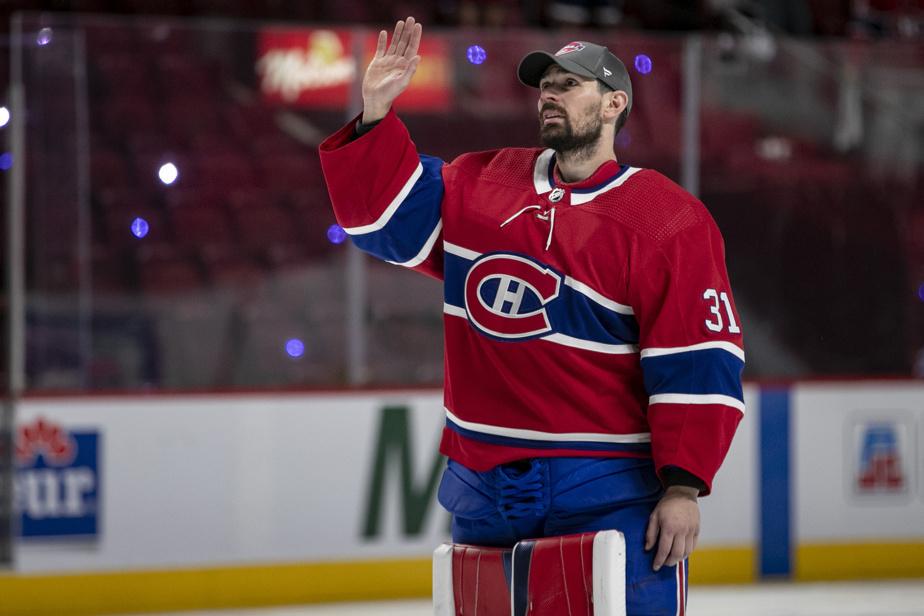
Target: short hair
621,120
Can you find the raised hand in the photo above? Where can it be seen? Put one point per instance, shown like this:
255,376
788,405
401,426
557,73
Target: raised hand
391,69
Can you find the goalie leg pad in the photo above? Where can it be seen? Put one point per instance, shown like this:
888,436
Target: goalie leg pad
579,574
471,580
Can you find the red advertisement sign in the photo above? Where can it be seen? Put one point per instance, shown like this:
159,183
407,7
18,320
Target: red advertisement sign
318,68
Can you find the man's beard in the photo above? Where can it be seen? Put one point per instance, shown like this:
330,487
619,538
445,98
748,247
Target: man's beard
565,140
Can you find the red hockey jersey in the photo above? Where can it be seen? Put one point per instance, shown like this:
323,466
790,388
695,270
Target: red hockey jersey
584,319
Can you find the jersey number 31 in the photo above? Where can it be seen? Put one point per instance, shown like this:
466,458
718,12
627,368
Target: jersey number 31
718,324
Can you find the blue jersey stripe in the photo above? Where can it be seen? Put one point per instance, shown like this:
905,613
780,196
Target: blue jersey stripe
704,371
509,441
589,189
405,234
454,270
622,169
572,313
550,172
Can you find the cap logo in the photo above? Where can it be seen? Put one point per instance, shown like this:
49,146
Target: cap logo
607,72
573,46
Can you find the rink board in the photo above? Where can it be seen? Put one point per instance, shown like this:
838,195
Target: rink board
227,500
852,519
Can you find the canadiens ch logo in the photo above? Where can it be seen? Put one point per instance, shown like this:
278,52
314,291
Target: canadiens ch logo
506,295
573,46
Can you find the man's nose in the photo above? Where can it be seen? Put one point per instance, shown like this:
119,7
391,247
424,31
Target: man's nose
548,96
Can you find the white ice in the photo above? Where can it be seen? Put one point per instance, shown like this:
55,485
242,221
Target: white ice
892,598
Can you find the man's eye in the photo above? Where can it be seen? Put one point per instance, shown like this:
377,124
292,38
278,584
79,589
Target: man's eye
571,82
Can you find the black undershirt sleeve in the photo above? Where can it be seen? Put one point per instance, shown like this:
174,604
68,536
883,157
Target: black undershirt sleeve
676,476
361,129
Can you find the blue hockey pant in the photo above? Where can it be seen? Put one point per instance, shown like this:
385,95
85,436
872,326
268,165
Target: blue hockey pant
545,497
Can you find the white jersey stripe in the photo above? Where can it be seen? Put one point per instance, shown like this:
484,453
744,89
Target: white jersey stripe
454,311
465,253
606,302
697,399
541,172
427,248
579,198
589,345
392,207
535,435
732,348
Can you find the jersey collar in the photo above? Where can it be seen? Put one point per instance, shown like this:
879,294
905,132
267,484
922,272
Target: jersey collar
608,176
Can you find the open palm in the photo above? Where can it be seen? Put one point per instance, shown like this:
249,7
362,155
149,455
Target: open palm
391,69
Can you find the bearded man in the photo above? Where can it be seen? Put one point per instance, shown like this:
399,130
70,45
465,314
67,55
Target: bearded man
593,351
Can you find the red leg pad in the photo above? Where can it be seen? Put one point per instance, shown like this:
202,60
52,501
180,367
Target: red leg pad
553,576
479,583
559,581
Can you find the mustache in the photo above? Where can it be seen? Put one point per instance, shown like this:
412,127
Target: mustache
552,107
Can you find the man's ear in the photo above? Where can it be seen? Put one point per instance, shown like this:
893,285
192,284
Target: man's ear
614,104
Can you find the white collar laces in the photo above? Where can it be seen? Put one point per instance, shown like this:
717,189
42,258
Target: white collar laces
525,209
548,241
550,216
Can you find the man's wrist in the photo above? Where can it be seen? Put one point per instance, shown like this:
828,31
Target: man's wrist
685,491
374,113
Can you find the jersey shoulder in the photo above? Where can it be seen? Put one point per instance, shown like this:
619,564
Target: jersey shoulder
652,205
509,166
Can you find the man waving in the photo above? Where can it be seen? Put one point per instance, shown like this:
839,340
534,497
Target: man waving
593,351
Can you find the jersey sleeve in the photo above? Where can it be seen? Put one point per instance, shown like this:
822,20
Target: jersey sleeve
691,350
385,195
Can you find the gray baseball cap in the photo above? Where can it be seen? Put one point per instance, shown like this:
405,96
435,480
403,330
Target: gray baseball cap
581,58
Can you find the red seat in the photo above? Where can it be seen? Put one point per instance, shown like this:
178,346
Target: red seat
162,269
283,256
108,270
108,39
225,265
108,168
229,170
190,116
265,226
181,197
291,172
194,226
128,113
254,121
